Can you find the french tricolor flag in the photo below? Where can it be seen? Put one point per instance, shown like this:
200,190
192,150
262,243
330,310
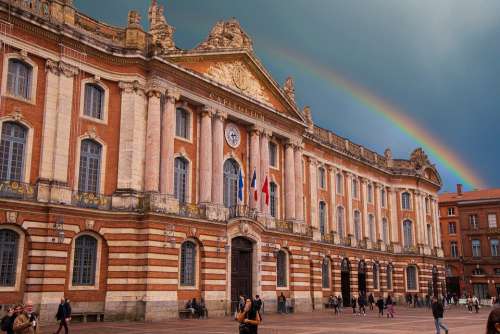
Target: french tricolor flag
253,184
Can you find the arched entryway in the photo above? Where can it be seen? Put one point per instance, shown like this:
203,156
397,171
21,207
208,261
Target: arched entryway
362,277
434,281
241,269
345,281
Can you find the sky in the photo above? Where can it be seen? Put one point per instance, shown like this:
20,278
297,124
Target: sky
436,63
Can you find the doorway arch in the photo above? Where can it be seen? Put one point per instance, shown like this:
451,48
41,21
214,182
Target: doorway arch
241,269
345,281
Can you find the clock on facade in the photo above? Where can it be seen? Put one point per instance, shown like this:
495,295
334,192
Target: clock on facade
232,135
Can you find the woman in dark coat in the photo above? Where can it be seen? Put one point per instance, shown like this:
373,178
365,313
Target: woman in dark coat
249,318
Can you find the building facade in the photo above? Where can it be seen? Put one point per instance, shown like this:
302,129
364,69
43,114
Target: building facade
137,175
471,241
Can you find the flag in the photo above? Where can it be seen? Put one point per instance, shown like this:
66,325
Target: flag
265,190
240,187
253,184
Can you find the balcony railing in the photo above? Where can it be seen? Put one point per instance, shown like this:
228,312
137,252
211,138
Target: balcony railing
345,241
284,226
242,211
17,190
410,250
91,200
328,238
190,210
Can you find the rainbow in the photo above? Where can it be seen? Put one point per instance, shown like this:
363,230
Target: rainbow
409,126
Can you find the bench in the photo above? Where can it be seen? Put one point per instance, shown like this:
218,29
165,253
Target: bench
87,316
186,314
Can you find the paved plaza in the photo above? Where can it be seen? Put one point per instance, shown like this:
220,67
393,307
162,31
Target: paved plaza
406,321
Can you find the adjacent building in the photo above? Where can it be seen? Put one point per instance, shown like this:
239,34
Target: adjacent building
469,225
136,175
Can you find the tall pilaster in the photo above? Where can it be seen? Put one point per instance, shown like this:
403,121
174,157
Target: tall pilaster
152,166
333,197
206,155
378,211
349,213
218,157
264,166
255,164
167,143
313,192
299,184
364,198
436,224
289,182
393,209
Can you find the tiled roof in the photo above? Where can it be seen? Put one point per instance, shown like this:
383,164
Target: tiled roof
471,195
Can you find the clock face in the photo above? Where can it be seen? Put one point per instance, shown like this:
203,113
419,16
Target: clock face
233,135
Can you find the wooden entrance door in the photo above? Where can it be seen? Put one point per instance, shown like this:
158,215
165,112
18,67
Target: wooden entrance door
241,269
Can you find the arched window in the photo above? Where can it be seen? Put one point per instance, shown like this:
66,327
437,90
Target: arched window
19,79
385,231
231,170
376,274
369,190
354,190
325,273
411,278
273,154
371,227
94,101
181,171
407,233
273,198
340,222
8,257
322,217
12,147
389,276
339,182
281,269
357,225
85,259
321,178
182,123
406,201
188,264
90,166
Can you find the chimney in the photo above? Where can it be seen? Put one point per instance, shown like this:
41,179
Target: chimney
459,189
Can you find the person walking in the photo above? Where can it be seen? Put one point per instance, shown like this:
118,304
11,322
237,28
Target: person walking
203,309
249,318
371,301
8,321
469,303
390,306
362,304
282,303
493,324
475,302
336,305
62,316
438,312
27,320
353,304
380,305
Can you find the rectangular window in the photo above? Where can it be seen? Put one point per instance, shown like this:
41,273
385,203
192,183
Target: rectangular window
492,220
494,247
476,248
454,249
338,181
451,211
427,206
473,222
382,198
273,155
321,178
354,191
370,193
452,228
497,271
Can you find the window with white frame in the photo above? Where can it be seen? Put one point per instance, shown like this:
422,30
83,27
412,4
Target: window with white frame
339,183
93,105
492,220
473,222
411,278
188,264
453,249
451,211
494,247
407,233
12,151
340,222
90,166
452,228
354,190
182,123
476,248
357,225
322,217
325,273
281,269
321,177
19,79
9,243
383,198
181,172
371,227
369,192
231,170
84,261
273,198
406,201
273,154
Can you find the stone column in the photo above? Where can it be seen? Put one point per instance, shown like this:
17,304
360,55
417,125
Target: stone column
254,164
364,198
206,155
218,157
167,143
289,182
349,213
436,223
152,165
378,211
393,209
299,184
264,167
333,197
313,192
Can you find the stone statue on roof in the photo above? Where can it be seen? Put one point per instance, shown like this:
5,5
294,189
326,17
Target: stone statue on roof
162,34
227,35
289,89
419,159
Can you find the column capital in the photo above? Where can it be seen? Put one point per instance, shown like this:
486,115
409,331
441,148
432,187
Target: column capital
221,115
131,86
312,161
267,133
172,94
255,130
59,67
208,111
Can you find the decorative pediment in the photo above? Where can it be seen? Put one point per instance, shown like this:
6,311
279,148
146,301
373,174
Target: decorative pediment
227,35
419,159
237,75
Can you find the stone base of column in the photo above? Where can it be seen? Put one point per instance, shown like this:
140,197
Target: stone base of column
126,200
316,234
53,192
161,203
299,228
318,300
425,250
214,212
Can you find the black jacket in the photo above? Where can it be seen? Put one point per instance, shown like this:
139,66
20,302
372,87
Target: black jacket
437,310
62,312
8,324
